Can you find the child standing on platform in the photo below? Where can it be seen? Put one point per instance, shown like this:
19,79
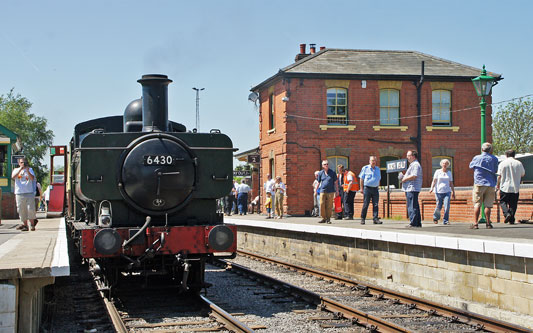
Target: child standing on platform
268,205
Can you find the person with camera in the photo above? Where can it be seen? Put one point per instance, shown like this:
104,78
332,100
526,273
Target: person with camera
24,178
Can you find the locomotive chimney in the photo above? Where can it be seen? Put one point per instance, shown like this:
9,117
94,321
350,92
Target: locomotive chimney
155,102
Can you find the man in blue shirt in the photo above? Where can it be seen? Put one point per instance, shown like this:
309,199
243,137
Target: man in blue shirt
370,177
412,184
485,168
328,185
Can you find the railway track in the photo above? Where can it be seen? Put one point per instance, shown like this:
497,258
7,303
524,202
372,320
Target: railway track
383,309
160,308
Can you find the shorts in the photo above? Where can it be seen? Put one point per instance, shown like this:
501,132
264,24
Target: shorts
483,194
26,206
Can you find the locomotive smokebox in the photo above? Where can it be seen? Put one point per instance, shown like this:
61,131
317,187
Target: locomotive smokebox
155,102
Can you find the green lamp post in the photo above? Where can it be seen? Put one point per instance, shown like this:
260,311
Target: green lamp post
483,85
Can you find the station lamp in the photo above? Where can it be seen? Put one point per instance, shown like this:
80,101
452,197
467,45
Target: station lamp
483,85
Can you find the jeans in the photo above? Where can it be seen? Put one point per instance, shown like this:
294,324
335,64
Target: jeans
370,193
413,209
242,203
442,199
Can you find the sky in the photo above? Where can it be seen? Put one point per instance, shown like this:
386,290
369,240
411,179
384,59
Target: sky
77,61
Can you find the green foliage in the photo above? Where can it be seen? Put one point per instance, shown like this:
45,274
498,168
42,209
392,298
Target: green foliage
512,127
36,138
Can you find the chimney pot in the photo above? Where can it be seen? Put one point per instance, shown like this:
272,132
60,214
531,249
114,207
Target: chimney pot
313,48
322,48
302,48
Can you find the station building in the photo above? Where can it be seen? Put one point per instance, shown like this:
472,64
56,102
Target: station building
10,144
345,105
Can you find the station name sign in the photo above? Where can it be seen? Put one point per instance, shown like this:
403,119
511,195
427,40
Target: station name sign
242,173
396,165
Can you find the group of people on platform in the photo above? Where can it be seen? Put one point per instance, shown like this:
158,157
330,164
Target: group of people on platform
489,178
338,190
329,186
236,201
275,191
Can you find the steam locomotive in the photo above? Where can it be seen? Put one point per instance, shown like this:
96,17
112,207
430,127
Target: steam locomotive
141,192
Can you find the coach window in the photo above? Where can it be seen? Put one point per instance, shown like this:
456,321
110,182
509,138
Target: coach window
58,176
435,164
336,160
393,178
337,108
389,107
441,107
271,124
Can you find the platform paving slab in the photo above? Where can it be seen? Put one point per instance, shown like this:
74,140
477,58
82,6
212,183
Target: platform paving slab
29,260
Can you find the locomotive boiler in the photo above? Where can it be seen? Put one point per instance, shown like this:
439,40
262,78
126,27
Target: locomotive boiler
142,191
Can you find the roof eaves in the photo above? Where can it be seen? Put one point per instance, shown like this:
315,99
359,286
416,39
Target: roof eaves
9,133
267,81
456,63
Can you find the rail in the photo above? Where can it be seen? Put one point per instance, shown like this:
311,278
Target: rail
372,323
479,321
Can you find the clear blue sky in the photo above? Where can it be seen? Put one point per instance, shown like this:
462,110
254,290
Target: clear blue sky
80,60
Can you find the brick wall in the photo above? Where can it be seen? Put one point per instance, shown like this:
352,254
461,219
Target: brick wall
461,209
9,206
297,144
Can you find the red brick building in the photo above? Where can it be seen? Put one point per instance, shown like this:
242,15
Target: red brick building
344,105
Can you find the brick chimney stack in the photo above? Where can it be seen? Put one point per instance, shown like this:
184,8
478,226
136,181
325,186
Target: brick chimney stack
313,48
302,53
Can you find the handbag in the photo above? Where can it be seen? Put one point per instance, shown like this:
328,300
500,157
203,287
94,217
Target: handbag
338,204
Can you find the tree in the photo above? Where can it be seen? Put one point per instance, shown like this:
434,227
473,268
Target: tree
512,127
36,138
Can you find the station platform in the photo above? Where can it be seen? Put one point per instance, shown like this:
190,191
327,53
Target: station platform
506,239
29,260
487,271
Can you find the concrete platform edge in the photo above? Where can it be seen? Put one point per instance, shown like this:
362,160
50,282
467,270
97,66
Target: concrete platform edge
517,249
60,260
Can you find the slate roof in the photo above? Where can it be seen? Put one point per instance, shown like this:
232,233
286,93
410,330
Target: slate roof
377,63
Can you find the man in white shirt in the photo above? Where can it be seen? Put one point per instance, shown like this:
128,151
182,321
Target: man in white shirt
242,197
510,172
24,179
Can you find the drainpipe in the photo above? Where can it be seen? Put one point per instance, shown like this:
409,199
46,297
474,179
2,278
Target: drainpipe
418,137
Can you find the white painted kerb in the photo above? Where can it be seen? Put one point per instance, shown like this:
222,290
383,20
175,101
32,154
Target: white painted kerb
414,238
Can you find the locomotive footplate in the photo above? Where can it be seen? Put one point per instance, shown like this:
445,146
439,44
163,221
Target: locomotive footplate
218,240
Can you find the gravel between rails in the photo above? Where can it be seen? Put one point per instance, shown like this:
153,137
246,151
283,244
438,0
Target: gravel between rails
400,314
237,294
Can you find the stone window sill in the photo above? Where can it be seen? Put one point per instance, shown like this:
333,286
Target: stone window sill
449,128
326,127
271,131
401,128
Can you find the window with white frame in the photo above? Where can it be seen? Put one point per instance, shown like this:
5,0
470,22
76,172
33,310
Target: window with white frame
337,106
442,102
389,107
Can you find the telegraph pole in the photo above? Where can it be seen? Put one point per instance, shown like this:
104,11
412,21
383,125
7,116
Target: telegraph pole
198,107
